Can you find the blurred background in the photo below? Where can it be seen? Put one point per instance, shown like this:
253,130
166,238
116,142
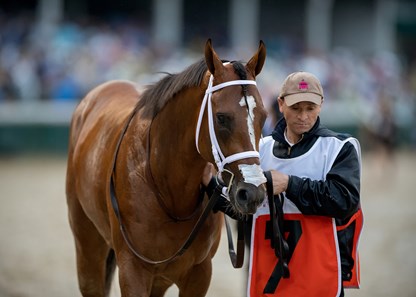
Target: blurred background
54,51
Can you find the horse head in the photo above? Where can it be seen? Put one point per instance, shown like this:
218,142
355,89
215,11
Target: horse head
235,117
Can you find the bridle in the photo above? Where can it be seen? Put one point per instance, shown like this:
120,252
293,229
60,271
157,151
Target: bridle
220,159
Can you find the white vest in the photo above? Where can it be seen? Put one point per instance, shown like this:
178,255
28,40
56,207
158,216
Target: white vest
314,164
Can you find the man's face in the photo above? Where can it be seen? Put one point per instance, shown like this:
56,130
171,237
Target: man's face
300,117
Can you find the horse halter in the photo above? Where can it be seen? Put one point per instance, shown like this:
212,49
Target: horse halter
219,157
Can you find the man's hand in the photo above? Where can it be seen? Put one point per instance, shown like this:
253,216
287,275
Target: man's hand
209,170
280,182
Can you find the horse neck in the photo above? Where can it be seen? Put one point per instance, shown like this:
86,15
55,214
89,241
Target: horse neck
174,160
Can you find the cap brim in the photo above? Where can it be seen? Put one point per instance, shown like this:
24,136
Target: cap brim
300,97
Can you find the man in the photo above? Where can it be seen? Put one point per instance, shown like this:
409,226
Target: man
315,174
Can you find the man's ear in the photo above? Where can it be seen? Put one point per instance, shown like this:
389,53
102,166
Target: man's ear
280,101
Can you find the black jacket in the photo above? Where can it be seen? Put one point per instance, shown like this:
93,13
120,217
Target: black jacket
338,196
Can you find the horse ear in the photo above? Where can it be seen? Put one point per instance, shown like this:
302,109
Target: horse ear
211,58
257,61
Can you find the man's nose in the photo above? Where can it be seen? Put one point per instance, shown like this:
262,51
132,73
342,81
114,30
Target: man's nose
302,115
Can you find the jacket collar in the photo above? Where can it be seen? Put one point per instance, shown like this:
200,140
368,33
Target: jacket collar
279,130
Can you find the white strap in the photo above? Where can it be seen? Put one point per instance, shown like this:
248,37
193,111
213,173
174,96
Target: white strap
242,155
201,113
230,83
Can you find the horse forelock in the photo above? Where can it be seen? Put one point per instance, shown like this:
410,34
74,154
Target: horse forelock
157,95
241,71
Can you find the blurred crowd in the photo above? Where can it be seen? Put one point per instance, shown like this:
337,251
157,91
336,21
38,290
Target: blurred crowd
67,61
63,62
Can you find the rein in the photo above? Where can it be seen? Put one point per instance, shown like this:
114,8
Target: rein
181,250
236,257
278,243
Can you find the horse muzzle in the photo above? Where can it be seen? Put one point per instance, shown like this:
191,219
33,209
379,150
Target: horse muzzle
248,197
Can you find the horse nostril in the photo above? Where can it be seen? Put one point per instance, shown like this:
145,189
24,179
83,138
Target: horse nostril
247,198
242,195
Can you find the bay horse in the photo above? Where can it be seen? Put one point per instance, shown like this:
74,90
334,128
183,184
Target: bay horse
135,163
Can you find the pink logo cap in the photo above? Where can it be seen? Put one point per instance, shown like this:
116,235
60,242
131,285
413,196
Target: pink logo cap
303,85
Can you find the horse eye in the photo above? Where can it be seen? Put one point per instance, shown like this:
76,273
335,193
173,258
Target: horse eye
223,120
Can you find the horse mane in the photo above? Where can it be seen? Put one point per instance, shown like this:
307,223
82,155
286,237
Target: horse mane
155,96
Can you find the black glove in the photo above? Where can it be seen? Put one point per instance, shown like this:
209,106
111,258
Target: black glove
215,188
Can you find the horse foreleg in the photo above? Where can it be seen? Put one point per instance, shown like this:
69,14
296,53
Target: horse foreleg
160,286
135,279
196,282
95,260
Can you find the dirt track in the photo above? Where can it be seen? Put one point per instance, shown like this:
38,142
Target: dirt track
37,253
